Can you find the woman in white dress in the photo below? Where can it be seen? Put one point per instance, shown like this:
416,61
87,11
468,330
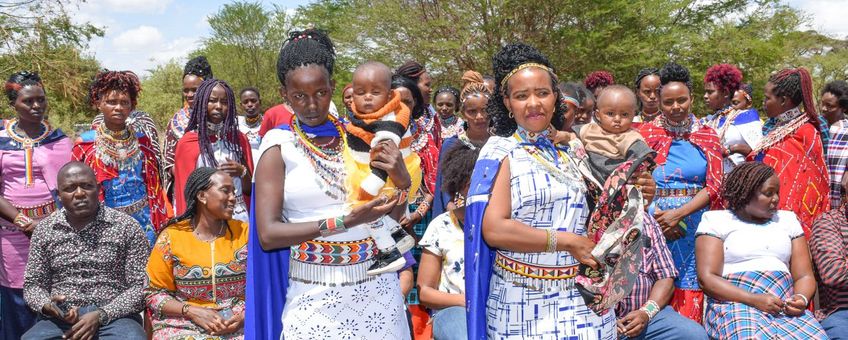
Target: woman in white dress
301,206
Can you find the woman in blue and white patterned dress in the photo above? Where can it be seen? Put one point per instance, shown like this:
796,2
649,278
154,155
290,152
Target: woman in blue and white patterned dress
526,215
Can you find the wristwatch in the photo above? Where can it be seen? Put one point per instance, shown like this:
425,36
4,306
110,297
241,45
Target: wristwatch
103,318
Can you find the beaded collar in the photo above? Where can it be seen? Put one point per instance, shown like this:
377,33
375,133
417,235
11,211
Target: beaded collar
117,149
788,115
678,130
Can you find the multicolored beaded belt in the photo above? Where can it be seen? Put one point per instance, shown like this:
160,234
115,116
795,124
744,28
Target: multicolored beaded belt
134,207
39,211
689,192
534,271
334,253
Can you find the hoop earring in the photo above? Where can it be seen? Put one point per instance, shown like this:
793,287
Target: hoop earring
511,115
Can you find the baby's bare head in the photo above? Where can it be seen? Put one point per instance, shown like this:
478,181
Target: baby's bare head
616,108
372,83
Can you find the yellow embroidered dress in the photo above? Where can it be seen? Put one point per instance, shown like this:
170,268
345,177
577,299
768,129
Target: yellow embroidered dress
181,268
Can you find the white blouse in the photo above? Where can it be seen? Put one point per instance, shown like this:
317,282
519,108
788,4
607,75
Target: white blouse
753,247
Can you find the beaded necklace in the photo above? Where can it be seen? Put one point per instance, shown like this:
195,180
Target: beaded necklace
327,162
731,115
419,137
253,122
451,127
714,120
27,144
117,149
680,130
539,146
787,123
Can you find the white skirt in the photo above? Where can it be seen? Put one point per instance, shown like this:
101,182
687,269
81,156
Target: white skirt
370,310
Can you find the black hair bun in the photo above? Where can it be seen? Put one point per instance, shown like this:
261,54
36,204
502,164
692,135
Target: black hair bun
674,72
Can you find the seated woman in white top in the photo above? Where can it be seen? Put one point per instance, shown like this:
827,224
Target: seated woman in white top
441,274
753,263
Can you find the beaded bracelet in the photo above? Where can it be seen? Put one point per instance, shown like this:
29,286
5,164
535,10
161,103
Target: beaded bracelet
403,196
22,220
550,247
185,309
651,308
331,226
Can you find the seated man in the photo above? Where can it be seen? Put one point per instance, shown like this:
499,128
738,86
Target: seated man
86,269
645,314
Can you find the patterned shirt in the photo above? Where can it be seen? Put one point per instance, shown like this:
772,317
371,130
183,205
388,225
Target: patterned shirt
101,264
829,247
837,161
657,264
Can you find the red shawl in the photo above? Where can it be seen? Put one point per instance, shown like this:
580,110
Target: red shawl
84,151
798,160
705,139
186,154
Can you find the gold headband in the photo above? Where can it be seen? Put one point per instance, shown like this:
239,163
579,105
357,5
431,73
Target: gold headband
521,67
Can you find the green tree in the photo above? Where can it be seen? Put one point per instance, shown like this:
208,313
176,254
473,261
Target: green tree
161,94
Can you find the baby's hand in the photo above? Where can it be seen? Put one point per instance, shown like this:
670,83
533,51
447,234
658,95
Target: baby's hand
563,137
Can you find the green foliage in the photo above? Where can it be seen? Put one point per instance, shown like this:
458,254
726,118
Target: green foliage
161,94
50,44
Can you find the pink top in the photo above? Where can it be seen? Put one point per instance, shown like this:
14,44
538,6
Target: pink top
47,160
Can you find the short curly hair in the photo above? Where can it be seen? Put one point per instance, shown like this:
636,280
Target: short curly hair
727,77
505,61
198,66
122,81
456,167
839,89
596,79
675,73
742,183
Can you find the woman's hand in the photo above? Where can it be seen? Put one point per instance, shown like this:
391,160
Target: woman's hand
795,306
386,156
646,184
669,221
232,168
371,211
411,219
580,247
207,318
742,149
234,324
767,303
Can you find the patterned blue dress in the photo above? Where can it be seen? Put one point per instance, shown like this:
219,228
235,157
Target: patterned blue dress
128,192
526,302
678,180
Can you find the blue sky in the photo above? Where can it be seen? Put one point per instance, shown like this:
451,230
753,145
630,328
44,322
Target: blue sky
143,33
140,34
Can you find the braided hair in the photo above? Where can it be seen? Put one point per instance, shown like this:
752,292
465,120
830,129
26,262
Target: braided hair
726,77
198,66
598,79
448,89
796,84
674,72
229,133
742,183
19,80
507,59
839,89
473,84
645,72
456,173
199,180
411,69
121,81
410,84
304,48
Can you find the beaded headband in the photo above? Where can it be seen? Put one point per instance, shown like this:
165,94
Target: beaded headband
521,67
572,100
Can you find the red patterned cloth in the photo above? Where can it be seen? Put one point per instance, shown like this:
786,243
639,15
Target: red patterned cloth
703,137
84,151
689,303
798,160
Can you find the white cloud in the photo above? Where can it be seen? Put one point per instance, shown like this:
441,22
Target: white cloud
130,6
140,39
828,16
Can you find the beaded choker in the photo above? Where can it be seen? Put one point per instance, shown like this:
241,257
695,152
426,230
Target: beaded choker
253,122
678,130
788,116
117,149
540,147
327,162
28,144
214,128
787,123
